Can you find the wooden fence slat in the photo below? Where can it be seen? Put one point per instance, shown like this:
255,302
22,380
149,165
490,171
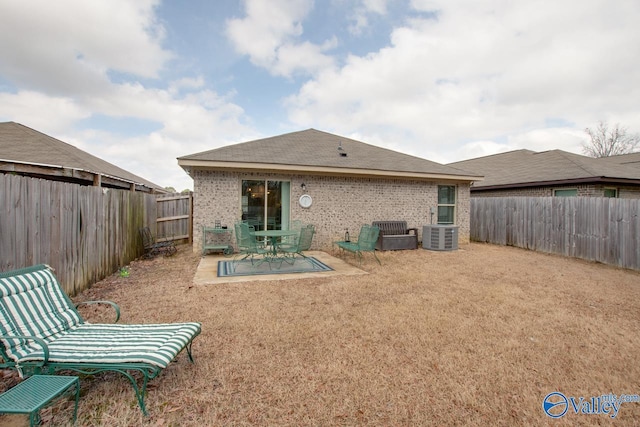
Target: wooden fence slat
174,217
597,229
84,233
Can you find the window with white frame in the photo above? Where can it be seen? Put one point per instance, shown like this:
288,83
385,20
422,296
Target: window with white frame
610,192
446,204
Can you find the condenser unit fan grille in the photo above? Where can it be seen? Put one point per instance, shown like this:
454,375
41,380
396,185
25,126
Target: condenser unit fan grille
440,237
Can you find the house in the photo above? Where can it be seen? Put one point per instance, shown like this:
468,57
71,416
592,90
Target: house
333,182
554,173
25,151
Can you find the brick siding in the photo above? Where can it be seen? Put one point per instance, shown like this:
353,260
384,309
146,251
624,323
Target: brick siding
339,203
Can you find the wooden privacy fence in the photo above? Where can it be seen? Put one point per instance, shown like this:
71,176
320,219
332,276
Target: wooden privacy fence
599,229
84,233
175,216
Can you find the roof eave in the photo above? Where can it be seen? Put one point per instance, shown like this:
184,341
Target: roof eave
249,166
76,173
594,179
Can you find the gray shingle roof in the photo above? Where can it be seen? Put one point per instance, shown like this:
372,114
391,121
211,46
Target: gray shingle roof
19,143
314,148
528,167
632,160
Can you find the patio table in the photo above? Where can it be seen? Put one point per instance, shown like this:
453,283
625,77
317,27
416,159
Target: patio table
273,235
37,391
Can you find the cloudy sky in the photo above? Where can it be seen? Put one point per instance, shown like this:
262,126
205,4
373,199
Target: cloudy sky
142,82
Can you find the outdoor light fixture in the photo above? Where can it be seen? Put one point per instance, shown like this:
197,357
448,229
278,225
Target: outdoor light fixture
304,187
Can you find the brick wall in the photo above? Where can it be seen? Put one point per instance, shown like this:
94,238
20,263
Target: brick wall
339,203
629,192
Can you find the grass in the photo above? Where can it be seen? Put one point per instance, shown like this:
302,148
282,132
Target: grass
474,337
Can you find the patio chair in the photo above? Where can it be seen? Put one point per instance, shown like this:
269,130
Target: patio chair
248,246
290,242
153,248
42,332
303,244
366,242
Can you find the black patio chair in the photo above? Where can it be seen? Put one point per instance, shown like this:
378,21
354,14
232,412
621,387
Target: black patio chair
153,248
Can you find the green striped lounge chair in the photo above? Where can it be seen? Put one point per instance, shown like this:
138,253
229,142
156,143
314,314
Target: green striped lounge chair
43,332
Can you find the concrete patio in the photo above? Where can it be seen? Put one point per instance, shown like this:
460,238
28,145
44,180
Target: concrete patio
207,272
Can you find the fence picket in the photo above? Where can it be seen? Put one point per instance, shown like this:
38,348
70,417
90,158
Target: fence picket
84,233
174,218
596,229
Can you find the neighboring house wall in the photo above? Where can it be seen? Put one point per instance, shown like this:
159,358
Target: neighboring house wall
584,190
629,192
339,202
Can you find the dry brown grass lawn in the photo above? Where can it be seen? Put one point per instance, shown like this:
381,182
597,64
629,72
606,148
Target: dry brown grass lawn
473,337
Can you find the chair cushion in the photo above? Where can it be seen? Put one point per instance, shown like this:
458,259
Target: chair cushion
156,344
32,303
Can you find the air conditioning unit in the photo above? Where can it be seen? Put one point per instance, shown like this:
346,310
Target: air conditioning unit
440,237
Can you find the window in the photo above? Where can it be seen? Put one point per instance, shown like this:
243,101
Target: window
610,192
446,204
566,193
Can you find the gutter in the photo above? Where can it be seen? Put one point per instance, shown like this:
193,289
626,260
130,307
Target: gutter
206,164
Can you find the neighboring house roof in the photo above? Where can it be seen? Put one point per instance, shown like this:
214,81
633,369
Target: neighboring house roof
632,159
525,168
28,152
314,151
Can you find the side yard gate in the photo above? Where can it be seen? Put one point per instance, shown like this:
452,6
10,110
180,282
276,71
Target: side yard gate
598,229
175,217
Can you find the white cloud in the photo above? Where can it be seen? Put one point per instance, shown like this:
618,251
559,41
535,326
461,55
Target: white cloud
466,78
485,71
538,140
361,12
566,139
269,35
195,121
185,84
376,6
62,56
41,112
77,43
309,56
151,156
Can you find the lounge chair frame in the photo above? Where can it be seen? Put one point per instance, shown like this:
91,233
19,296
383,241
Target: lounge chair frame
27,297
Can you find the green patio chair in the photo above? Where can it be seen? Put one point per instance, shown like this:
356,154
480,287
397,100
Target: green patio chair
42,332
248,246
366,242
303,244
291,242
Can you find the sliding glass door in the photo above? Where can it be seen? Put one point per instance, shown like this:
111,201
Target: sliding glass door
266,204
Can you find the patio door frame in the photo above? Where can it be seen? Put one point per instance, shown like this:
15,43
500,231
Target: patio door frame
267,214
